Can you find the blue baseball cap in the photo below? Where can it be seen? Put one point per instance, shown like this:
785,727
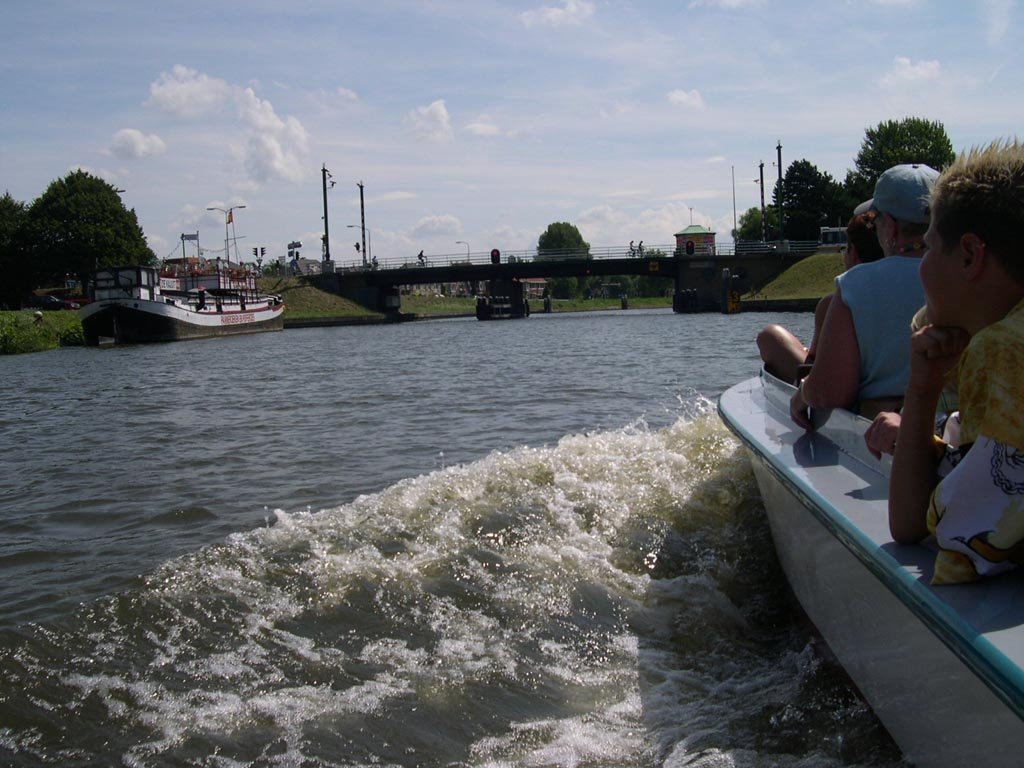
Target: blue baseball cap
904,192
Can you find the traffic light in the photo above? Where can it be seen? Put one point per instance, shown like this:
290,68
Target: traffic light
689,247
254,250
263,251
495,256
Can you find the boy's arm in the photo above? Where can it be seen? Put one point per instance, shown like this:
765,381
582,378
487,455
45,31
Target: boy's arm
914,465
933,352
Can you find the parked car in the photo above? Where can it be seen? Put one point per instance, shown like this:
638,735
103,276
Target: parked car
48,302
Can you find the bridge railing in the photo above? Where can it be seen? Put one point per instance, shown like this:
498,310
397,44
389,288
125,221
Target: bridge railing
795,247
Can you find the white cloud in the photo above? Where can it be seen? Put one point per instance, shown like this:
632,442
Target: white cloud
133,144
905,72
716,159
190,215
483,126
390,197
267,157
572,13
187,93
655,226
347,94
431,122
691,99
109,176
274,147
511,239
445,224
996,17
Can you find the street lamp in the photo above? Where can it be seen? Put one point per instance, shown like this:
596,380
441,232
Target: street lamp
228,219
365,231
463,242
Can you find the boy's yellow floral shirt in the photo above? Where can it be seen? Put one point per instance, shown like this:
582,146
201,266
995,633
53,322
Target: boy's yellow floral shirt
977,509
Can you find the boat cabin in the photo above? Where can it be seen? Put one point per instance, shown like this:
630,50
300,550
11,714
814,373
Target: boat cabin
134,282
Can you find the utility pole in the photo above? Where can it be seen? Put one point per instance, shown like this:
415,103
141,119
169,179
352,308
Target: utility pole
734,225
782,219
764,220
362,220
327,237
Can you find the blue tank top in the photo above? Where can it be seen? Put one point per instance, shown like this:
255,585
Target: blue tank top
883,296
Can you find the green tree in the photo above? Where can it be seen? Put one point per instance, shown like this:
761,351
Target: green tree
749,227
78,224
15,268
894,142
562,240
811,199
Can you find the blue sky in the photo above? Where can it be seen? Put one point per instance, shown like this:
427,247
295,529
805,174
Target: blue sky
478,120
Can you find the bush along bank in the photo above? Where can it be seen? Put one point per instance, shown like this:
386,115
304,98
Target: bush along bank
26,332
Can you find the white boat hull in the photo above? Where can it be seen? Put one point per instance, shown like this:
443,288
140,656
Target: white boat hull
132,320
940,666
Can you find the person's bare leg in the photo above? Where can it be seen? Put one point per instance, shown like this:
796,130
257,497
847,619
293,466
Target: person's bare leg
781,351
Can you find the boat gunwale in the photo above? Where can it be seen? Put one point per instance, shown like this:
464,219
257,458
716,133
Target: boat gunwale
1001,675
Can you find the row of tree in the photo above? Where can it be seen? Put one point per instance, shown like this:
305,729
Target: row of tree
77,225
812,199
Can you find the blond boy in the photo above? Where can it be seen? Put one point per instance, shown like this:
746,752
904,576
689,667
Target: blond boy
970,497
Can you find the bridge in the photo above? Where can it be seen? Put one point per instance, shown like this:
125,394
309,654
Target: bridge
701,281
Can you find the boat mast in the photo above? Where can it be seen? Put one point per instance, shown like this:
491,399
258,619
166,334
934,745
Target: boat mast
229,218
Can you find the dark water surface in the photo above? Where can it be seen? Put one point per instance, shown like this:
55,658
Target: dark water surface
440,543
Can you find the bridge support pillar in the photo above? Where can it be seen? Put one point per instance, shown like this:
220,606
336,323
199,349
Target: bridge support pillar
505,299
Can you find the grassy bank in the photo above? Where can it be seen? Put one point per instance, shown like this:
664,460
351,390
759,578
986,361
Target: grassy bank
809,278
302,300
21,332
430,306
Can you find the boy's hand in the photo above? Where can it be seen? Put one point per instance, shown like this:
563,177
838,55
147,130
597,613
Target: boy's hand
934,350
880,437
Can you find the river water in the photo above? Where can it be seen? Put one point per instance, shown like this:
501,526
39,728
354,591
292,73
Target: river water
443,543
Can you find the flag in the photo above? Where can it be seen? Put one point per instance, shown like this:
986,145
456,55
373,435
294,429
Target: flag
231,218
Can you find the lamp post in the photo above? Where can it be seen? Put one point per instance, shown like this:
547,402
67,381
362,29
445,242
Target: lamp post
365,231
327,234
782,217
463,242
228,219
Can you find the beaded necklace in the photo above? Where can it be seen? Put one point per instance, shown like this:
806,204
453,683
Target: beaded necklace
915,246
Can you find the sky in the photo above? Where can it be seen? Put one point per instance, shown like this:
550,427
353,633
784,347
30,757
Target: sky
477,120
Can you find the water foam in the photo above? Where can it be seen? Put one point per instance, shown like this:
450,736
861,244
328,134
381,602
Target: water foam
611,599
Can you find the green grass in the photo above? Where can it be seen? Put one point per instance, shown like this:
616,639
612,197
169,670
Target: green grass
303,300
809,278
21,332
426,306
